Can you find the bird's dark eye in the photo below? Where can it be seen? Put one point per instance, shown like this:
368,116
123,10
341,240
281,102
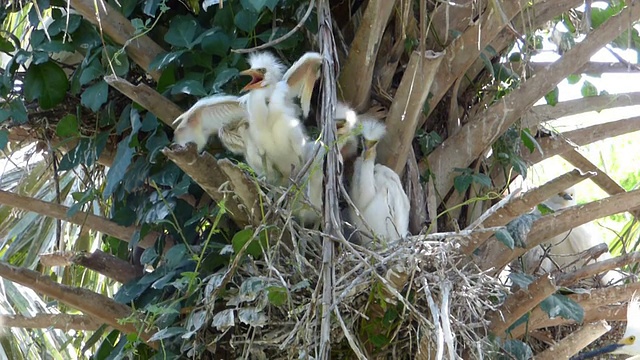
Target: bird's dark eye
263,71
632,338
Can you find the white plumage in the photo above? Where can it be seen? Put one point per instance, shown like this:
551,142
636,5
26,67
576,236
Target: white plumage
377,192
566,248
345,119
275,126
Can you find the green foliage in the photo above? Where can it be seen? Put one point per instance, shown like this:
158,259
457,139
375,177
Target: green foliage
467,177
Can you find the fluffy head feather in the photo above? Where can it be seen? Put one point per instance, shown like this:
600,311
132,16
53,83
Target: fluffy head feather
562,200
267,61
344,112
372,130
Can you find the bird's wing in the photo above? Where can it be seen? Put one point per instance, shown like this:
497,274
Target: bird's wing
213,112
302,76
388,184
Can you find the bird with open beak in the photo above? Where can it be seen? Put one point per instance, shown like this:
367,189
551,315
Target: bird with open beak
274,120
629,344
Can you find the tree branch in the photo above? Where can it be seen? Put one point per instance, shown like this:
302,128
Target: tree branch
559,222
541,113
587,271
597,305
520,303
94,222
213,177
98,261
63,322
100,307
148,98
576,341
521,205
467,144
357,73
140,48
406,109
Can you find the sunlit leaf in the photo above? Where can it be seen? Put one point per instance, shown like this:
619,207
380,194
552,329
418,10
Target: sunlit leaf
560,305
68,126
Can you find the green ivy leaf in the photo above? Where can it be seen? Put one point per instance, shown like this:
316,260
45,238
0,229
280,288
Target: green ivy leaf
161,61
182,31
552,96
505,238
68,126
588,89
462,182
529,141
95,96
68,24
241,237
4,139
224,77
560,305
521,280
187,86
246,20
16,112
277,295
516,350
91,72
46,83
6,45
574,79
116,173
217,43
113,58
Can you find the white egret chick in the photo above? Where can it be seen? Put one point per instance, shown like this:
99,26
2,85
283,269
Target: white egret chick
345,120
566,248
205,118
274,123
226,116
377,192
630,342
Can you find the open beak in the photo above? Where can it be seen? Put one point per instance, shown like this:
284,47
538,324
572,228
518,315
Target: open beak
256,79
603,350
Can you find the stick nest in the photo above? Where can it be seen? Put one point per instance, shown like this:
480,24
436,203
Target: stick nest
412,300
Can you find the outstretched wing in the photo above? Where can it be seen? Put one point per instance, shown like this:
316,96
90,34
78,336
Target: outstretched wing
205,117
301,77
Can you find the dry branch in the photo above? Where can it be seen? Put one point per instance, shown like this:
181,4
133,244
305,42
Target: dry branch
331,210
523,204
101,307
63,322
587,271
465,49
94,222
357,73
597,305
406,109
140,48
520,303
559,222
476,136
534,18
148,98
448,18
576,341
212,177
541,113
592,67
98,261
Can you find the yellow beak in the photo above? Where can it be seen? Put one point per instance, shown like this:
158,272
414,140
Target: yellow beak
256,79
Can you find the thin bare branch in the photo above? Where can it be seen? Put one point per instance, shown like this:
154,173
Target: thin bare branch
63,322
101,307
94,222
406,109
357,73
